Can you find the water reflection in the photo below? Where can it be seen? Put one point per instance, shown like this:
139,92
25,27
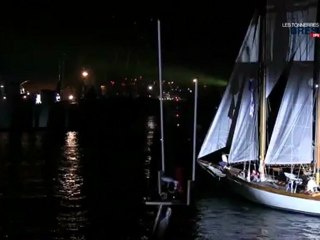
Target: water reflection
224,218
150,132
72,217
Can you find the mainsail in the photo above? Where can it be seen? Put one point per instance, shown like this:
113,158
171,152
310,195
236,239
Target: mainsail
291,140
245,145
219,130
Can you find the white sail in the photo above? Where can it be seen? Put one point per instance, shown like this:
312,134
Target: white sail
219,130
291,140
249,51
301,45
277,43
285,44
245,145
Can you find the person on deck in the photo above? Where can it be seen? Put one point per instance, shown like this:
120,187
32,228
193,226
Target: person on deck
224,162
312,186
255,176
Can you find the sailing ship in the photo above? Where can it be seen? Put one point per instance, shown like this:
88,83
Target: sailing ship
267,126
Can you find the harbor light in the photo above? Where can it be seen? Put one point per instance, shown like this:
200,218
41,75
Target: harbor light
71,97
58,98
150,87
38,99
84,73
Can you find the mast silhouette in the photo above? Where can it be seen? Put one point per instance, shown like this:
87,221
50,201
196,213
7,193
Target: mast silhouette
160,97
263,100
316,81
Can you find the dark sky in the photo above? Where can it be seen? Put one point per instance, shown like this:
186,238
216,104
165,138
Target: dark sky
111,38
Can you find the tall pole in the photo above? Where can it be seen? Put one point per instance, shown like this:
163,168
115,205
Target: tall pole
316,81
195,128
263,100
160,98
61,73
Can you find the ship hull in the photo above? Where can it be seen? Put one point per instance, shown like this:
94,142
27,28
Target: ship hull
275,198
268,195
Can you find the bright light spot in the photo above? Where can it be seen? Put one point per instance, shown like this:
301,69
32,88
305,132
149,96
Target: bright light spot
195,80
70,97
1,86
71,139
58,98
178,125
85,74
38,99
22,91
24,97
177,115
150,87
28,93
4,98
316,85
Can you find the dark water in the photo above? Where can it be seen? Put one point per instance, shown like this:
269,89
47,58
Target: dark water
59,188
90,184
224,216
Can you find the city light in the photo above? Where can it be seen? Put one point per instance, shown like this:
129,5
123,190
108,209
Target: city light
150,87
38,99
70,97
58,98
85,73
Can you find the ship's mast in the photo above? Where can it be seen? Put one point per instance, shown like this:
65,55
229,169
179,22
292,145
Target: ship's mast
316,81
263,100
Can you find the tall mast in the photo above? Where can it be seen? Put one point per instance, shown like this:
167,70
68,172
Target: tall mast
195,128
160,98
263,100
316,80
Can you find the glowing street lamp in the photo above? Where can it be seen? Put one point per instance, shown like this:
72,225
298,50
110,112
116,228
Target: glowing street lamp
71,97
84,74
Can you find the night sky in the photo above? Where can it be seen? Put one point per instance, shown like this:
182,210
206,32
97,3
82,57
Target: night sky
120,40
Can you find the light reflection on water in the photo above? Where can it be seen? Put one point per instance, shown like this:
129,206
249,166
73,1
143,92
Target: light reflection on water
150,128
225,218
25,211
72,218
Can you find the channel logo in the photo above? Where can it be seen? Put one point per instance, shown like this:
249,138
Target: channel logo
315,35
